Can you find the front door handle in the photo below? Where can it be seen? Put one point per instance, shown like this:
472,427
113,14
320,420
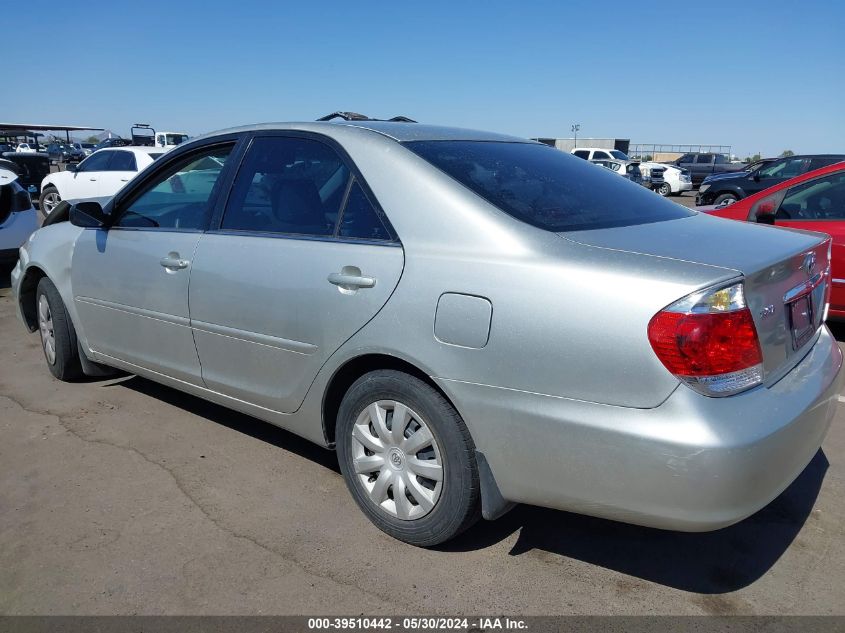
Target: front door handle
351,280
173,262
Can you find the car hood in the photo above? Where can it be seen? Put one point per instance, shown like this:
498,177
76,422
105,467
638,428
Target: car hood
725,176
703,239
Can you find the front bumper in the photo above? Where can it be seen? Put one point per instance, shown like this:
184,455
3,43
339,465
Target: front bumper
693,464
704,198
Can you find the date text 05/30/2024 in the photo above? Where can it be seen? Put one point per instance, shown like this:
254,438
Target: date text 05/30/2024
419,624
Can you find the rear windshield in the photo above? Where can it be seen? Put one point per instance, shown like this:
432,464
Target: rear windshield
546,187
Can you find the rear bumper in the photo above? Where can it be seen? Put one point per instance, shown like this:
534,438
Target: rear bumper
692,464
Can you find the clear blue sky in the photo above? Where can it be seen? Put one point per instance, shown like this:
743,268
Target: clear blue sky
758,75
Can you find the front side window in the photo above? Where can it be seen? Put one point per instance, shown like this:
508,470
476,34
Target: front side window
687,158
98,161
722,160
288,185
619,155
819,199
181,196
123,161
786,168
545,187
582,153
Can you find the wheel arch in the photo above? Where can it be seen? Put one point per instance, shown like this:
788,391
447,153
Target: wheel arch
26,295
352,370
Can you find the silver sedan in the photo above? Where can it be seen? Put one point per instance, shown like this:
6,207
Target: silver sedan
471,320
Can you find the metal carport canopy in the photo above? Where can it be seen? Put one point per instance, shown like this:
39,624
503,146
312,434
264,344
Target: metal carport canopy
21,129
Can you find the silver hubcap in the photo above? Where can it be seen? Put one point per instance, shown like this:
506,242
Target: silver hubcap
397,460
50,201
45,324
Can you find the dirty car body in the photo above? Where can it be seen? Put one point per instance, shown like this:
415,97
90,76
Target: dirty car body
529,289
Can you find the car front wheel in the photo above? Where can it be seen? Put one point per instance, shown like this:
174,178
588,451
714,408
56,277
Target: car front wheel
407,458
58,338
725,199
50,198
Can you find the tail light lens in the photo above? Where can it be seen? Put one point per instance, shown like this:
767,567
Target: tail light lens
708,340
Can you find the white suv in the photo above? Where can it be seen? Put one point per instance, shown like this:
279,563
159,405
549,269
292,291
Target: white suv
98,177
675,179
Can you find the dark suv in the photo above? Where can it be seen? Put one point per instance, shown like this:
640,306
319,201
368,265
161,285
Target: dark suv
728,188
64,153
703,164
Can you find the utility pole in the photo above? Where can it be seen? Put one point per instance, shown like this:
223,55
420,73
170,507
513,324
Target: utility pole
575,127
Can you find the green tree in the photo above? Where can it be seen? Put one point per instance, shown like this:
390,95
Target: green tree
787,152
92,139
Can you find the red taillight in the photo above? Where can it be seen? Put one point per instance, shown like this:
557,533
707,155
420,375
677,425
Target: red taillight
709,340
705,344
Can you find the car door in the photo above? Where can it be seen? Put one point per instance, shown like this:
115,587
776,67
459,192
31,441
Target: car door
84,183
130,281
121,169
702,168
819,205
301,260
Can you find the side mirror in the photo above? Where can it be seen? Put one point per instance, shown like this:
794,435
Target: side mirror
88,215
765,211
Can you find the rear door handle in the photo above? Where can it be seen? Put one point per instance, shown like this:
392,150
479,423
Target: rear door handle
351,281
174,262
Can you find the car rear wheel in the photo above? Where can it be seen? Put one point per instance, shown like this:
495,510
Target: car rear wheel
58,338
725,199
407,458
664,190
50,198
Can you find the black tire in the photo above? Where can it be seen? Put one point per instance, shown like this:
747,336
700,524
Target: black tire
54,199
458,506
664,190
722,197
65,365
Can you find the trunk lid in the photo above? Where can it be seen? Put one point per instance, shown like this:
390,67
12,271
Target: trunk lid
784,272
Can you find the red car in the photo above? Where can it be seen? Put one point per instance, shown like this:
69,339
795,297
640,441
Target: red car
814,201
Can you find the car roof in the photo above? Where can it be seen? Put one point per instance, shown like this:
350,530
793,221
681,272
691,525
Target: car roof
398,131
144,149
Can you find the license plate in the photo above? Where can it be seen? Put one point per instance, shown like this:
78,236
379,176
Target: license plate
801,320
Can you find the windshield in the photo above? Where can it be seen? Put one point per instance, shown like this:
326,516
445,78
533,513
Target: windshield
619,155
546,187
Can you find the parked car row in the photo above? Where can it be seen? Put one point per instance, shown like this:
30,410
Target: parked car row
470,320
666,180
98,177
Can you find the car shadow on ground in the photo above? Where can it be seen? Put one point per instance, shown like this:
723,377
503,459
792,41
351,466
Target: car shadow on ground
6,275
708,563
239,422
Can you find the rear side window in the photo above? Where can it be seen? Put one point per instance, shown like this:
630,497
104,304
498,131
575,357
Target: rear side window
360,219
288,185
704,159
545,187
598,155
